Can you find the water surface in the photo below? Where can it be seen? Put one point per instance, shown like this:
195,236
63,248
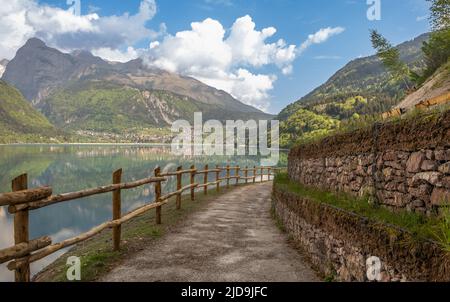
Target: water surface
68,168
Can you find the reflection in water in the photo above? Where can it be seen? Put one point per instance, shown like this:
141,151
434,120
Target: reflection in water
68,168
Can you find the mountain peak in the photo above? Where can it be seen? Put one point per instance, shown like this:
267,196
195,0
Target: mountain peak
34,43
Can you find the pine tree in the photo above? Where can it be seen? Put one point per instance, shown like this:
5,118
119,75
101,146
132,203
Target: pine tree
390,57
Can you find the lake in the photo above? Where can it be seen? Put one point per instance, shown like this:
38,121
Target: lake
68,168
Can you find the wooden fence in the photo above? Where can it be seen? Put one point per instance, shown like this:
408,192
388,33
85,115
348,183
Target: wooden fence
23,200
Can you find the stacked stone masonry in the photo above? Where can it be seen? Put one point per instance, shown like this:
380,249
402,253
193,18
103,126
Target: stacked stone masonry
339,243
399,166
416,181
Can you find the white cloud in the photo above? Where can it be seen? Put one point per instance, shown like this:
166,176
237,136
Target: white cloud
116,55
207,53
227,60
321,36
422,18
23,19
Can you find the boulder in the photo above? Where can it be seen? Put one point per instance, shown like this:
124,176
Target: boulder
445,168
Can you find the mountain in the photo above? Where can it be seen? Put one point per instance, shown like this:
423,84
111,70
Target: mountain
365,77
355,93
19,121
3,64
79,91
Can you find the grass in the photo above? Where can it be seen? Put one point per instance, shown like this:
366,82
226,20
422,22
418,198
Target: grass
97,256
422,227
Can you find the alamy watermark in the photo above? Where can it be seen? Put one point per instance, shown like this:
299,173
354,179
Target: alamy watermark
212,138
74,269
75,7
374,11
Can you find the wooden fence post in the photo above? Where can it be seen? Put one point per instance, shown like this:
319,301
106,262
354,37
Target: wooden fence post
228,176
254,174
205,180
158,195
262,174
246,175
21,229
217,178
237,175
179,186
117,209
192,183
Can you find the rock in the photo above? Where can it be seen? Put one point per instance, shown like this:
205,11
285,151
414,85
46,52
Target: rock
445,168
393,164
403,155
371,170
442,155
430,177
418,203
390,156
388,173
415,162
445,182
430,154
422,192
429,165
440,196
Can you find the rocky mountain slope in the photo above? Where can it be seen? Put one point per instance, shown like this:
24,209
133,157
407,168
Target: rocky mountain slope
3,64
79,91
19,121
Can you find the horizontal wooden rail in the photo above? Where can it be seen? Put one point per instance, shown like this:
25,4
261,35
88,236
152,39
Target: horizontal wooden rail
177,173
208,171
25,196
82,194
170,195
21,201
23,249
209,184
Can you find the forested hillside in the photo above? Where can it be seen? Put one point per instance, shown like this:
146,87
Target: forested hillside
356,92
19,121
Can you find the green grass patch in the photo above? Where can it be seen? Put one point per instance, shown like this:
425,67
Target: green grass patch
96,254
422,227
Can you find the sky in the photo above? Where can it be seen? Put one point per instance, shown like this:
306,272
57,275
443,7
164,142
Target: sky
266,53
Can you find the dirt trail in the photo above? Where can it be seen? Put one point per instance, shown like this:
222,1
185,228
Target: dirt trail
232,239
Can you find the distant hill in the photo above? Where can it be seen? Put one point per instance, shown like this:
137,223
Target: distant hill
365,77
79,91
19,121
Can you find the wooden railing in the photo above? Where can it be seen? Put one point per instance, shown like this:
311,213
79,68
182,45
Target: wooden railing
22,200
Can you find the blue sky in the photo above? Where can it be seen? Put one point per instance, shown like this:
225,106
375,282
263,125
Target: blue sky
294,21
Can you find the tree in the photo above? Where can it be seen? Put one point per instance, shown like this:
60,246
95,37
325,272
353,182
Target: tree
439,14
437,49
390,57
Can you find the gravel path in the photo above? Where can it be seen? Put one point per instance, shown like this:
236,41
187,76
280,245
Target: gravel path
232,239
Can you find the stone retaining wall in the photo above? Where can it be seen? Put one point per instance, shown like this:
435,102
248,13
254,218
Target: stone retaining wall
401,165
339,243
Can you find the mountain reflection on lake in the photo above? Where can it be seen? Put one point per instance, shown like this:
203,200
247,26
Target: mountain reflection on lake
68,168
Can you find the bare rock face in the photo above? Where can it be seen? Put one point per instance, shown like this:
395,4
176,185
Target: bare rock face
3,64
